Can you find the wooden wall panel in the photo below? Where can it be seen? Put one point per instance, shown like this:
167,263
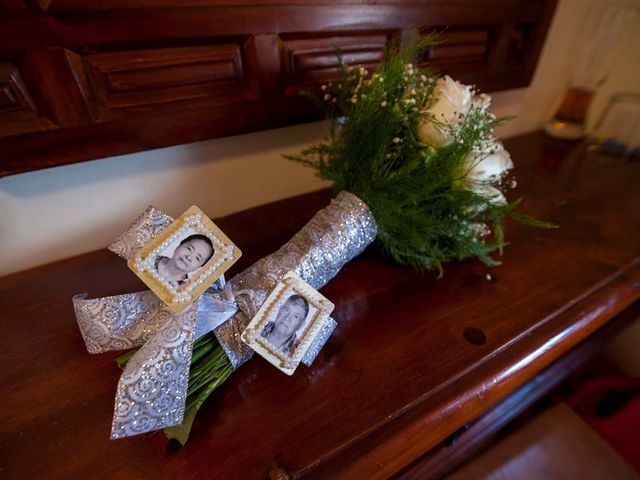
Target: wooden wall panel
308,61
58,83
142,78
119,76
18,113
460,46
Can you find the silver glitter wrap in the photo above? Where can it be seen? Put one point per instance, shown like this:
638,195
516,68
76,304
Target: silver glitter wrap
153,387
119,322
143,229
333,237
319,340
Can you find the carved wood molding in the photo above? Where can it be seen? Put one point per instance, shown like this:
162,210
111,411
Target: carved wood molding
84,80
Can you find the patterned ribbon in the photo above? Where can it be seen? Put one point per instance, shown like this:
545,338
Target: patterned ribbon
334,236
152,390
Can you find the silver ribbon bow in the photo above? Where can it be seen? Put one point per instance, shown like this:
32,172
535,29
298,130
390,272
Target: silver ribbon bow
151,392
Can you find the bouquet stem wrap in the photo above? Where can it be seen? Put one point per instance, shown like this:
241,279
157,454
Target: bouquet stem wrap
334,236
152,390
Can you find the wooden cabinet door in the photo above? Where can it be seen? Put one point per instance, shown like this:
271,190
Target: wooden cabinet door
83,80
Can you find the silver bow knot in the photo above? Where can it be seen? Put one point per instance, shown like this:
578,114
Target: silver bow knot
151,392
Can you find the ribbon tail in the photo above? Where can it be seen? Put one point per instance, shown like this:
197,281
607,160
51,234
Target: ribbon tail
119,322
145,228
152,390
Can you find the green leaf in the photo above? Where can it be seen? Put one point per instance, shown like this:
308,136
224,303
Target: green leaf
531,221
181,432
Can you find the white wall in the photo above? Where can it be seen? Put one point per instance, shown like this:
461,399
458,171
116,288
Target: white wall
51,214
536,104
64,211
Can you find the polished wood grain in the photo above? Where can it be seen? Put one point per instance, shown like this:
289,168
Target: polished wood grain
59,85
120,76
142,78
80,5
480,433
310,61
414,357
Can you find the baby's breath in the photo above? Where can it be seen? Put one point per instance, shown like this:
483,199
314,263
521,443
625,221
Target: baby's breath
425,211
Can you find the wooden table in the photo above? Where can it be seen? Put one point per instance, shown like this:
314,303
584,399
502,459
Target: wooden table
413,360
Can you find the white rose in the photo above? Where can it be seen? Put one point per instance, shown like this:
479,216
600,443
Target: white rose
451,99
488,165
486,168
491,193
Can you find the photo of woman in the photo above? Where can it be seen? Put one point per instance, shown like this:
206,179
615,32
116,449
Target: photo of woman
282,332
191,253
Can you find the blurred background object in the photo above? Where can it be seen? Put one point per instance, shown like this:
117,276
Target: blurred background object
617,131
594,54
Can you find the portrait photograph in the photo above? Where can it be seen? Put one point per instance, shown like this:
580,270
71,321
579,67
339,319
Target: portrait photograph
185,259
287,323
284,330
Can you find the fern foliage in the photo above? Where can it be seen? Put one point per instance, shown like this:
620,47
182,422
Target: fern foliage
423,199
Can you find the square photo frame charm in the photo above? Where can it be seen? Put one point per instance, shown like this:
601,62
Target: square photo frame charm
185,259
287,323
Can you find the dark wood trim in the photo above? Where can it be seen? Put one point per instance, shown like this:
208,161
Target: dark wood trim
477,434
121,76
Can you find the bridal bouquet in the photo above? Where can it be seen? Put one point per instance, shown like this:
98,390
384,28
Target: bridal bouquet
416,168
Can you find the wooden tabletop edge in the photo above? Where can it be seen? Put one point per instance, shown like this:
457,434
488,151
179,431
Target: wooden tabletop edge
564,329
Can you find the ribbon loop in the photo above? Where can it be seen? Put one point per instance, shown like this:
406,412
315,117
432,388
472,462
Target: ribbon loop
143,229
119,322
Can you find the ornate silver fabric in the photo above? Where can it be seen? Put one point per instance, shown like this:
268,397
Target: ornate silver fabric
318,342
333,237
127,321
152,389
119,322
213,310
143,229
217,286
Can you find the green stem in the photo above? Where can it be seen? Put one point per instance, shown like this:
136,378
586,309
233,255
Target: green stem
181,432
198,353
198,397
123,359
210,368
207,370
